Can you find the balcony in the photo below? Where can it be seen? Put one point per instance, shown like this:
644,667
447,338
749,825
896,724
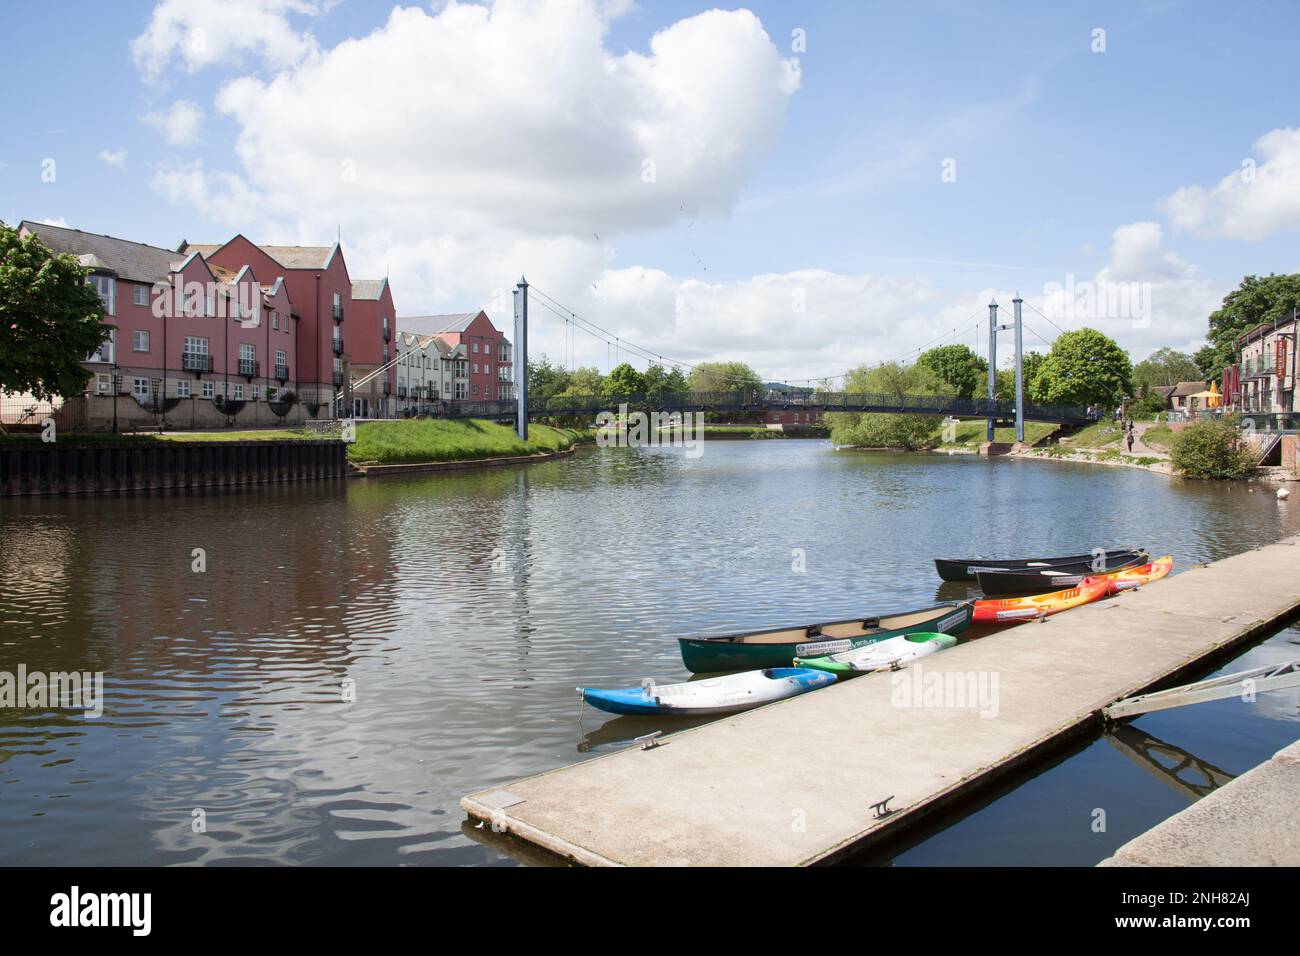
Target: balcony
388,336
248,367
196,362
338,313
338,346
433,393
388,389
401,391
338,379
282,373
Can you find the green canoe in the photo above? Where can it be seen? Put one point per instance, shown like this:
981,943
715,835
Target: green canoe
779,646
877,656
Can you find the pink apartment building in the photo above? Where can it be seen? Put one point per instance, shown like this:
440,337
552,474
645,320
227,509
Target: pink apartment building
184,330
336,331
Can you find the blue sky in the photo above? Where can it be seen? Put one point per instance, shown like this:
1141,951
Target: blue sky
833,187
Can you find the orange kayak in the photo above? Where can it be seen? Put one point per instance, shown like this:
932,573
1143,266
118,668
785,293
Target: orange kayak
1130,578
1010,610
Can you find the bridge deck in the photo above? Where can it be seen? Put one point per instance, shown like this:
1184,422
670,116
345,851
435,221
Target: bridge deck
793,783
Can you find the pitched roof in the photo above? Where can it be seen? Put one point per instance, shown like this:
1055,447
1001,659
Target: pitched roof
368,288
437,324
129,260
300,257
291,257
1188,388
1163,390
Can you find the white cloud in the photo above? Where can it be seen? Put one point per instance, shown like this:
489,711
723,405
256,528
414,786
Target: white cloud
57,221
1146,297
1256,201
179,124
514,117
113,157
200,33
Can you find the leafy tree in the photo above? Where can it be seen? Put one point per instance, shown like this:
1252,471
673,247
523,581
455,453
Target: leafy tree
585,381
1210,449
659,381
880,430
545,378
1165,367
724,377
1084,367
1004,388
1258,299
624,380
50,319
958,366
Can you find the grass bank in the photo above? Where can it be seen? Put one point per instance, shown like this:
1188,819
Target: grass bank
420,440
971,432
755,431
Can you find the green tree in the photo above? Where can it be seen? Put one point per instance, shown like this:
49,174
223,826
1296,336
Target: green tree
957,366
51,320
1084,367
1258,299
1005,388
585,381
659,381
881,430
546,379
624,380
1165,367
724,377
1210,449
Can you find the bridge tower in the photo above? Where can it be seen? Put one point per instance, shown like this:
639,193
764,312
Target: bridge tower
521,359
993,362
1020,374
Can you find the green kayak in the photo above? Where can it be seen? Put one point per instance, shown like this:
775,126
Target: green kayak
777,647
882,654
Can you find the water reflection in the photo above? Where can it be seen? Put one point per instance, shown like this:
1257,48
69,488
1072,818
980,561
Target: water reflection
463,610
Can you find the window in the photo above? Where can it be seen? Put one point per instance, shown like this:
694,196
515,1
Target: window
475,365
183,388
209,390
255,392
106,286
140,340
107,349
140,388
102,385
279,357
446,388
140,294
275,321
196,345
239,392
247,352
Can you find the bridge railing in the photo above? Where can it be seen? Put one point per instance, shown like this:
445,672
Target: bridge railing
821,401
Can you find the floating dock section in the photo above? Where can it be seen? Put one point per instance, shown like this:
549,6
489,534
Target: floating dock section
826,775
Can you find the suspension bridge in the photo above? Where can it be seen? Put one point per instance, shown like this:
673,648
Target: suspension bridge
565,406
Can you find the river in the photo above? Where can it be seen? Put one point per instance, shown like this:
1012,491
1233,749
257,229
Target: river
316,673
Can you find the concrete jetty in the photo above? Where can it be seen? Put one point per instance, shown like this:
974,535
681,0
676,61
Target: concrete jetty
1253,820
800,782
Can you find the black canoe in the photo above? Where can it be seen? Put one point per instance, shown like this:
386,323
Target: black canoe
958,569
1048,579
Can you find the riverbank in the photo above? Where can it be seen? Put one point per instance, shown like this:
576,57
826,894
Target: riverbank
423,441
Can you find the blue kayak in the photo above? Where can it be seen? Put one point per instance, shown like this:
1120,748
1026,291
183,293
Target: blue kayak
715,695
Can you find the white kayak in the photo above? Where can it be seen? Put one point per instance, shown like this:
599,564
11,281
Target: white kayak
882,654
714,695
